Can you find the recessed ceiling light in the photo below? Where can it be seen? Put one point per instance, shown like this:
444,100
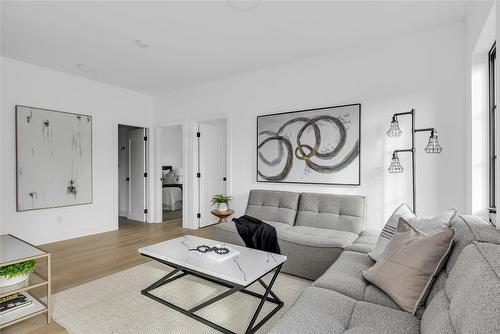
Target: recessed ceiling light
85,67
142,43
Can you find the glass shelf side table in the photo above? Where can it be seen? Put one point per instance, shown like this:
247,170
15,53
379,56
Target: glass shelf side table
14,250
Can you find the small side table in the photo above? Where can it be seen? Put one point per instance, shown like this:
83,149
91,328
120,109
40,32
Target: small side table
222,215
14,250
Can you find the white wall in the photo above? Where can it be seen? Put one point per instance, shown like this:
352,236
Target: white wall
171,146
425,71
31,85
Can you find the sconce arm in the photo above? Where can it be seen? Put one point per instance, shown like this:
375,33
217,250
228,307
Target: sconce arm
406,150
431,130
395,116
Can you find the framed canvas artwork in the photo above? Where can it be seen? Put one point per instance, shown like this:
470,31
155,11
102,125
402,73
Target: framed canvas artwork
317,146
54,158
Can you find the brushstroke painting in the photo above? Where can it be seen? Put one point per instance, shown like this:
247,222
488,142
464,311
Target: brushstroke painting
317,146
54,158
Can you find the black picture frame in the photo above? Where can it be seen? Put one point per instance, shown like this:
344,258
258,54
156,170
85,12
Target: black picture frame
305,111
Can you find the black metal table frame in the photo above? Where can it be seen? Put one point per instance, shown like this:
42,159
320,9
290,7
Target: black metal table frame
233,288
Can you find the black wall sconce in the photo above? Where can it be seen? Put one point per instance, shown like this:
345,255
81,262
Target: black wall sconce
432,147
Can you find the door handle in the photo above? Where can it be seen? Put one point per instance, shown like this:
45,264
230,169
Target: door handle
127,179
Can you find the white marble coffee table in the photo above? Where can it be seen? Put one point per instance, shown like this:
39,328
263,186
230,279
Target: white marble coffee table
236,273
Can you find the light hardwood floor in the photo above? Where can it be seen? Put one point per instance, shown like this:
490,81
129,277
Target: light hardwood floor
85,259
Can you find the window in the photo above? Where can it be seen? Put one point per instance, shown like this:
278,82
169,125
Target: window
492,55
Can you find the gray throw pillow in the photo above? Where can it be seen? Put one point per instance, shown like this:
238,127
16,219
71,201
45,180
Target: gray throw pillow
403,211
427,224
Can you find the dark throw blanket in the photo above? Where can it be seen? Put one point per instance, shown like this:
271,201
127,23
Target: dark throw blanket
257,234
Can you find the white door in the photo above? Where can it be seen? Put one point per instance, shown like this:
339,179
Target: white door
137,177
212,168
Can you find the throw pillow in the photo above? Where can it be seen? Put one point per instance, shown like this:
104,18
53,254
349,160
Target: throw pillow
427,224
409,264
169,178
433,224
403,211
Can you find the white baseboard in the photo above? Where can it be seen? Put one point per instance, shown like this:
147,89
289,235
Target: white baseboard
46,238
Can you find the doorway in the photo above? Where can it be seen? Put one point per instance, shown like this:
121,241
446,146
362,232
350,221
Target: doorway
212,167
132,174
170,159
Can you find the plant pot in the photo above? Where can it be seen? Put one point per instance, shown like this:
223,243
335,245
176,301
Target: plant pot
222,207
13,280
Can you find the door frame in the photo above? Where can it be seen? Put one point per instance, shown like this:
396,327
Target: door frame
149,154
196,187
190,162
158,189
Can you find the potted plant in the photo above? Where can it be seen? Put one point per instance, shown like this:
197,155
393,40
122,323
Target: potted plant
221,201
16,273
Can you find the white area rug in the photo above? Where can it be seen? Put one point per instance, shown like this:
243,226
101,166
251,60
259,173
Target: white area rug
114,304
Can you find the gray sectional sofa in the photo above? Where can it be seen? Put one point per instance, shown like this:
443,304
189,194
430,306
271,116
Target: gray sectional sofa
312,229
464,298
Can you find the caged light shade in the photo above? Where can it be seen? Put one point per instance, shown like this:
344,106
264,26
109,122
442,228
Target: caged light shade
395,166
433,145
394,130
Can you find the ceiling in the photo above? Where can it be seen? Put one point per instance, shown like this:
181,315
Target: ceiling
195,42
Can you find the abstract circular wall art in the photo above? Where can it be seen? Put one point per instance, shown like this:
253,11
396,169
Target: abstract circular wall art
317,146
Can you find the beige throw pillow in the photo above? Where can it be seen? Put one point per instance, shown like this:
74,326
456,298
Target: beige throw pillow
409,263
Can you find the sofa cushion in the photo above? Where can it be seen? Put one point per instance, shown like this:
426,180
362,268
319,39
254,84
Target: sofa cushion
227,232
273,205
231,226
469,303
436,317
468,229
336,212
345,276
324,311
307,261
316,311
365,242
310,253
373,318
318,237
